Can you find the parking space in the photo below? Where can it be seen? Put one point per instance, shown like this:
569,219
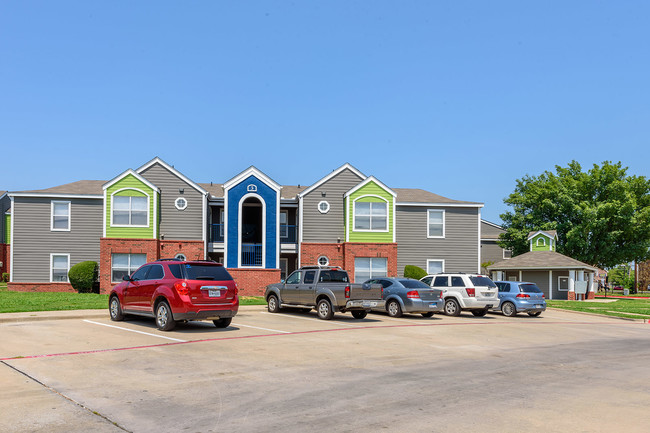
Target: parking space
291,371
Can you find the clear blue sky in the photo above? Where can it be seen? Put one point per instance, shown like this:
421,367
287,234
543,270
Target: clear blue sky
460,98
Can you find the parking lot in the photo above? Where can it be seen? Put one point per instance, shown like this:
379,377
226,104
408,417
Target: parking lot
560,372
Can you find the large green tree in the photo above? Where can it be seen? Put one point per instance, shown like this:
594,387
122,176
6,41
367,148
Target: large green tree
602,216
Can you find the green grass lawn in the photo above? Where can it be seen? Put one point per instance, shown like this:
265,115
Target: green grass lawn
628,308
14,302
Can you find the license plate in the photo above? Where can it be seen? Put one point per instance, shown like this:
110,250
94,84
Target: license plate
538,306
433,305
214,293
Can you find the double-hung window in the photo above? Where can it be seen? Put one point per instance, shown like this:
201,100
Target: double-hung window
435,223
59,267
369,267
130,211
371,216
60,216
125,264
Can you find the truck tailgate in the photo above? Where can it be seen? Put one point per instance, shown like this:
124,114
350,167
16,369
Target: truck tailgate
365,291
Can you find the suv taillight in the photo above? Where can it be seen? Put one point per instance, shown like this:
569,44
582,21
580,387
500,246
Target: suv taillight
181,287
347,292
470,291
413,294
236,289
523,295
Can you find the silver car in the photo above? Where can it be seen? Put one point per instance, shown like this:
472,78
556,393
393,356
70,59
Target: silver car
406,295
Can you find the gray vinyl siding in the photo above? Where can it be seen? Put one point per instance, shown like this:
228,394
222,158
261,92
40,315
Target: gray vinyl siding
490,232
491,252
329,227
176,224
5,204
459,249
34,241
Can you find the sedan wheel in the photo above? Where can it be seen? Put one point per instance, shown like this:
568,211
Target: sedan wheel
394,309
164,318
222,323
508,309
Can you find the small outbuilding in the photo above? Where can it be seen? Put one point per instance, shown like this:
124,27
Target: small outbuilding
557,275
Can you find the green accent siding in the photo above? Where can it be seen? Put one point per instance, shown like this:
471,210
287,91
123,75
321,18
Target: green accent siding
545,246
7,228
130,186
370,193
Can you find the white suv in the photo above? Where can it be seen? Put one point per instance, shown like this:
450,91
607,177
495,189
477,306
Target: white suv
476,293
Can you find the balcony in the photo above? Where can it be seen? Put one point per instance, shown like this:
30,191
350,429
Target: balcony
287,234
216,232
251,254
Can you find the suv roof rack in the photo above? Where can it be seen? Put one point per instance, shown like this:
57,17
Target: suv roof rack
169,260
320,267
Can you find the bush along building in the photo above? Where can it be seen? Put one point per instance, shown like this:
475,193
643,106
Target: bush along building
260,230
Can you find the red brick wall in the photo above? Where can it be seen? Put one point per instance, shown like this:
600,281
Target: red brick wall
153,248
40,287
343,254
253,282
4,258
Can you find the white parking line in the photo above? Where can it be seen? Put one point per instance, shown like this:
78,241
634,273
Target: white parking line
308,318
133,330
263,329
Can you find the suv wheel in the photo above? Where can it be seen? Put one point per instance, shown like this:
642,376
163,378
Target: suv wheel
394,309
480,313
508,309
222,323
164,317
274,304
324,309
451,307
115,309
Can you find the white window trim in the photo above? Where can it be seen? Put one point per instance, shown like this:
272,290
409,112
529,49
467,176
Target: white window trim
52,215
503,251
148,208
323,211
285,212
52,268
354,215
323,257
444,223
181,256
371,268
543,242
559,285
435,260
180,207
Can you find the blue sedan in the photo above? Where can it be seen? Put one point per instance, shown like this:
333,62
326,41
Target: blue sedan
518,297
406,295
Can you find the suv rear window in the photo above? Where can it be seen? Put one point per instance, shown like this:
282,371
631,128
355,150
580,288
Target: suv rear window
482,282
206,272
529,288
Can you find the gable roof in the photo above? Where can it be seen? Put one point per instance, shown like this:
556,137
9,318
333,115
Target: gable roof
367,181
334,173
90,188
251,171
546,260
548,233
175,172
134,174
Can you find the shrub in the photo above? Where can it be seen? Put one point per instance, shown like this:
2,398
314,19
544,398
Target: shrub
5,277
83,276
415,272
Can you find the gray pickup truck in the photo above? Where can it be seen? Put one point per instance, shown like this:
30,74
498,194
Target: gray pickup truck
326,288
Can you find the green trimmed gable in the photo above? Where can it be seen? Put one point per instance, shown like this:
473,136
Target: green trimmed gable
370,193
542,242
131,186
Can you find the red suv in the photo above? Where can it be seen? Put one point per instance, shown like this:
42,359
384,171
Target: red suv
171,290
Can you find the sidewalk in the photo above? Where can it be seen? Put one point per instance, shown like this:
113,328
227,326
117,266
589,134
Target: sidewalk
52,315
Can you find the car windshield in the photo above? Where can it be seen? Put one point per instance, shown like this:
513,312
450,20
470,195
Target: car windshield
482,281
414,284
529,288
206,272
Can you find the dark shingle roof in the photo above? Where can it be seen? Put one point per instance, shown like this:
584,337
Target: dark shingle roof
91,187
540,260
412,195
